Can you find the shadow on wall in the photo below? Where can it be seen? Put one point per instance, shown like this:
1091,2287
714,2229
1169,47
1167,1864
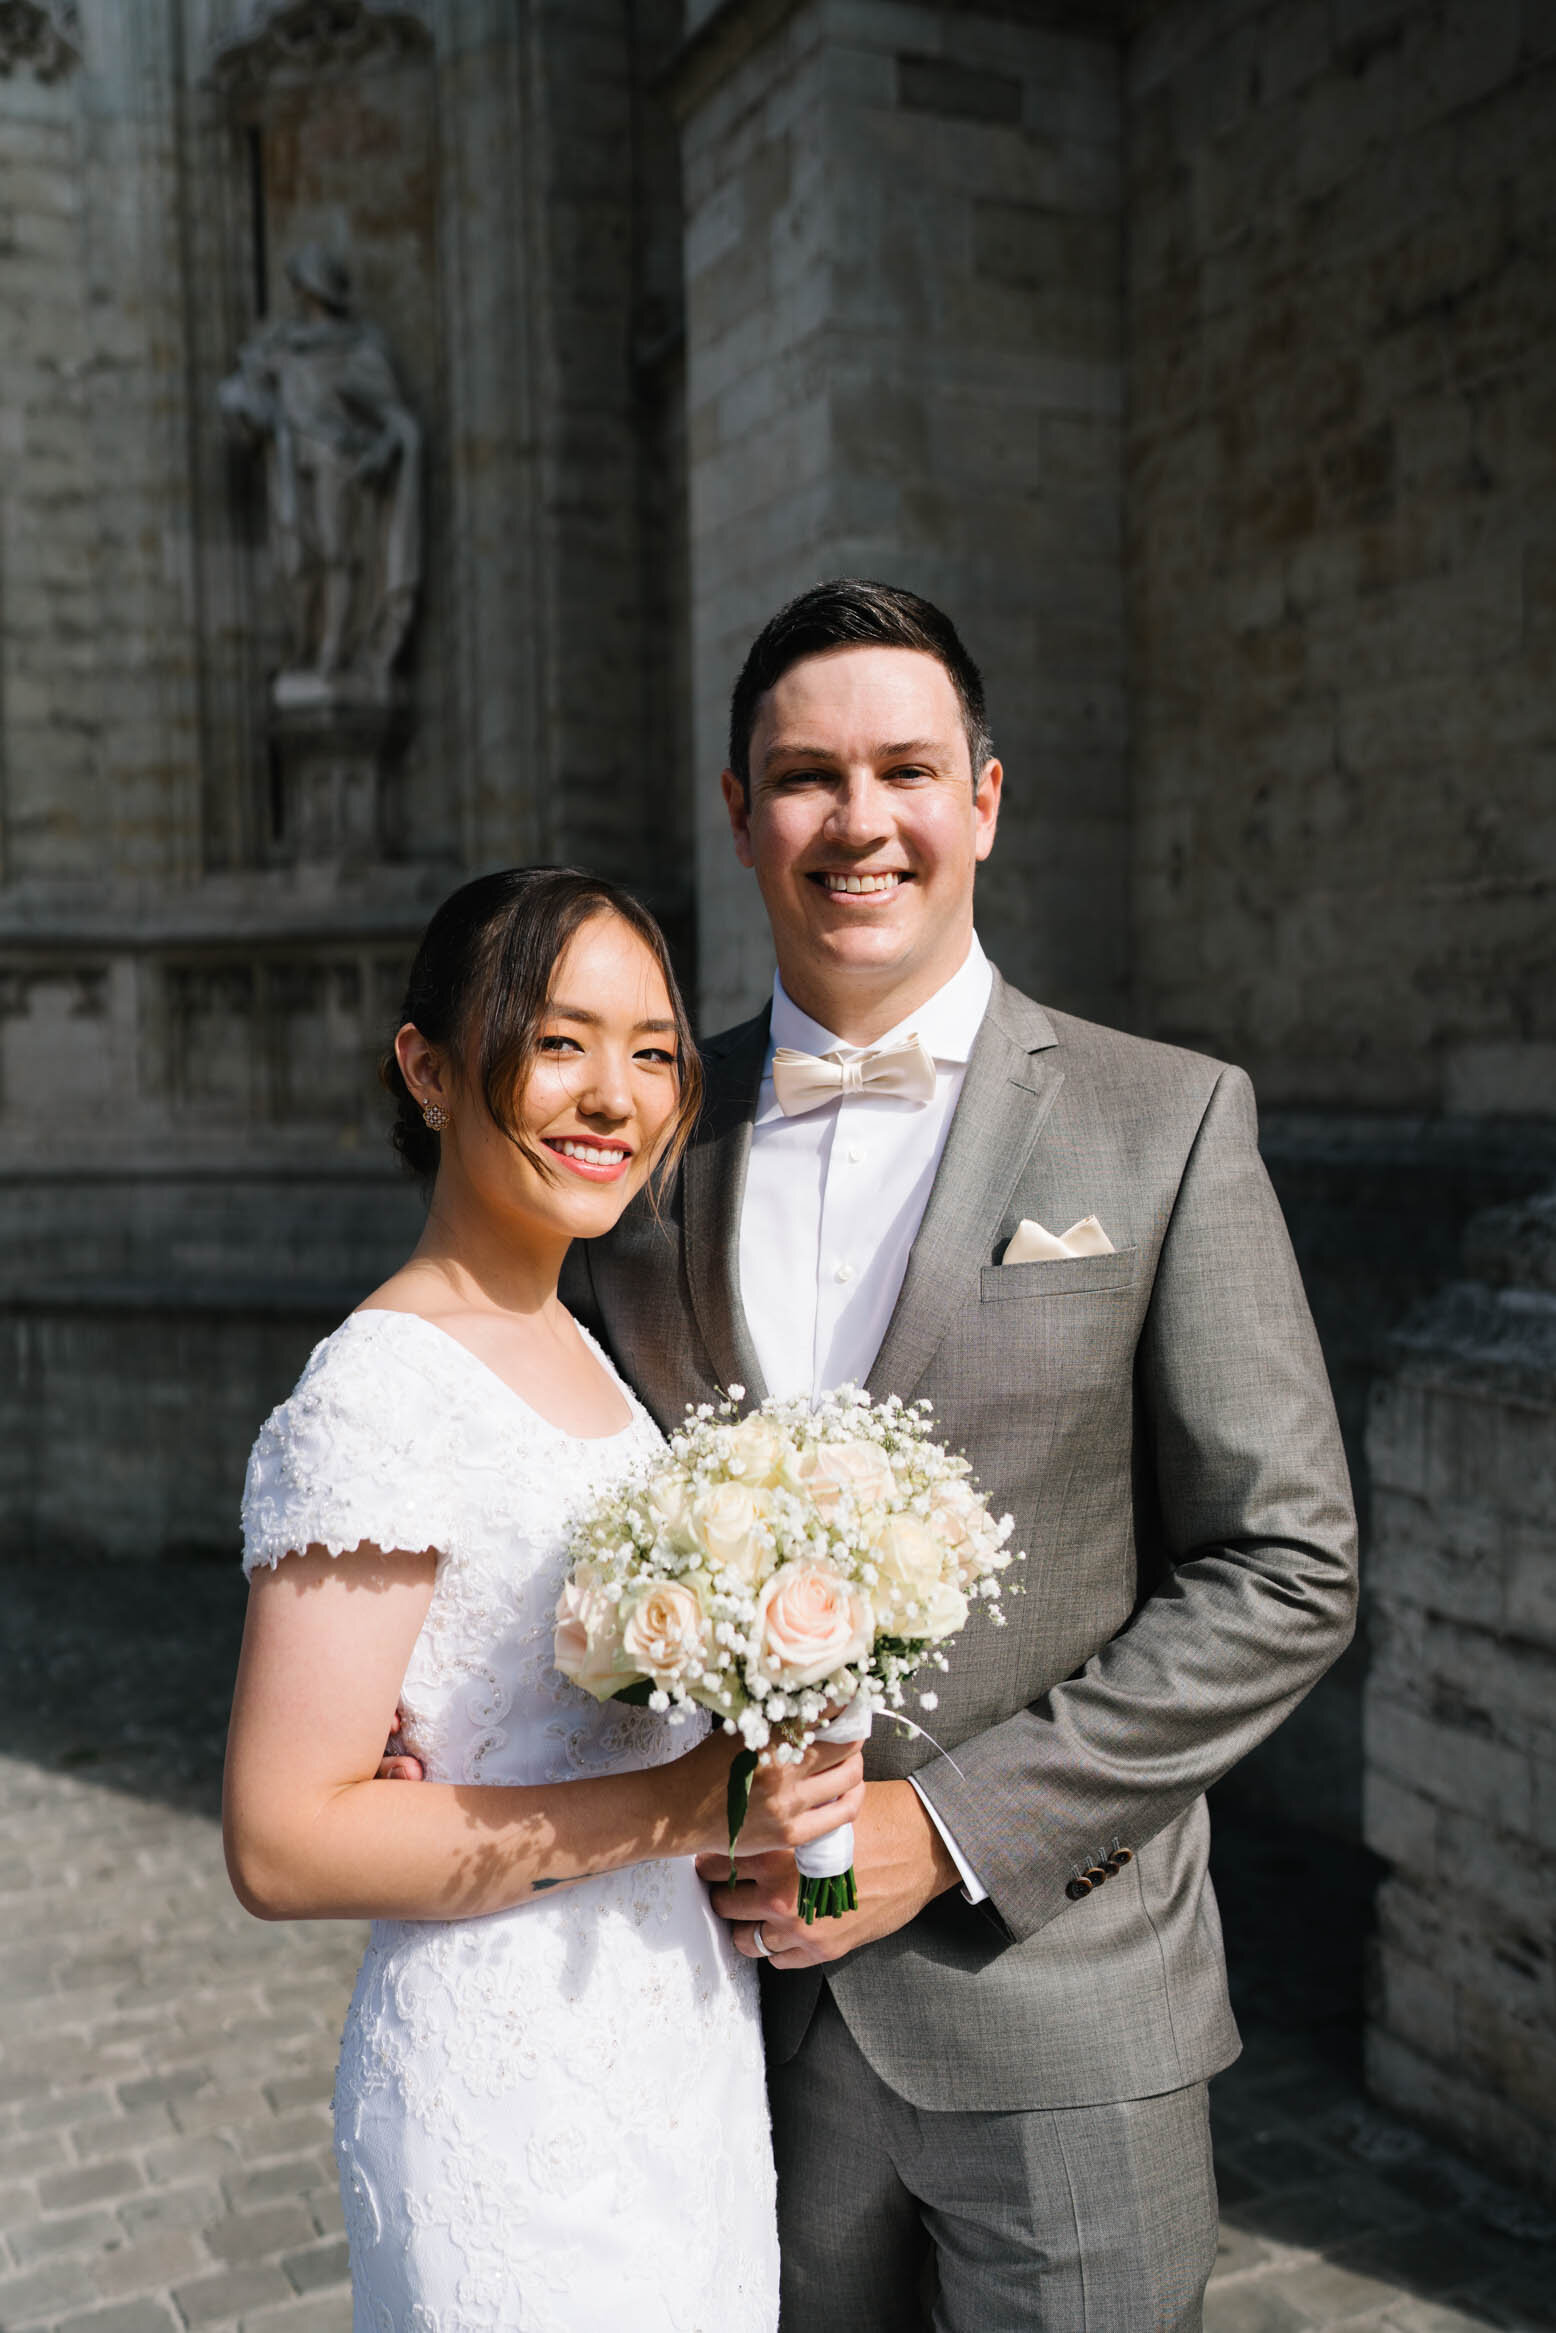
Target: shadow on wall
1378,1209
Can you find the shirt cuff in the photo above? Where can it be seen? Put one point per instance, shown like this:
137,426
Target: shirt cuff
972,1886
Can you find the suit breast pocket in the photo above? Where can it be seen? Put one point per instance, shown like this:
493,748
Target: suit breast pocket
1055,1346
1061,1276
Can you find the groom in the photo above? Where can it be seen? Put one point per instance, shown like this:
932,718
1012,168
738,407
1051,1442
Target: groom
988,2083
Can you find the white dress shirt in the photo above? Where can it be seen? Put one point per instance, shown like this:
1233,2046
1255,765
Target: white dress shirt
833,1202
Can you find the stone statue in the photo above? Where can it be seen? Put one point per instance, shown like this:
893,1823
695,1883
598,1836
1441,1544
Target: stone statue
343,457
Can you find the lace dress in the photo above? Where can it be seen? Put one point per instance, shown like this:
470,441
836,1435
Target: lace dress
552,2119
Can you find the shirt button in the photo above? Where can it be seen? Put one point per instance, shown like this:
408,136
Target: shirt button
855,1154
844,1272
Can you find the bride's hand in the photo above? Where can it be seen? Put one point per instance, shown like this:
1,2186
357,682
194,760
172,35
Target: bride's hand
790,1803
794,1803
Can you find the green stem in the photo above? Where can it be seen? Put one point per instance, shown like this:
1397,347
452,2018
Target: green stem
828,1899
737,1799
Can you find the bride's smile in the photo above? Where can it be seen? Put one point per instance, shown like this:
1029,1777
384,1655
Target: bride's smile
599,1161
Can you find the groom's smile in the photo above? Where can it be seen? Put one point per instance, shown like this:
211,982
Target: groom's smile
863,886
864,828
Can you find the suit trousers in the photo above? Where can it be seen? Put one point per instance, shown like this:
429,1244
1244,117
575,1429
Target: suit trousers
893,2218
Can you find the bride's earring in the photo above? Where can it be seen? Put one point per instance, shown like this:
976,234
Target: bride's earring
434,1117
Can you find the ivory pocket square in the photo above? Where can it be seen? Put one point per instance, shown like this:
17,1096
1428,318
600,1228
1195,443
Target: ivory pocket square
1031,1244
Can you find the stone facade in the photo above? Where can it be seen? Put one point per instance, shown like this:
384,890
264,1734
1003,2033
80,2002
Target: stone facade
1341,543
1340,524
193,992
1461,1704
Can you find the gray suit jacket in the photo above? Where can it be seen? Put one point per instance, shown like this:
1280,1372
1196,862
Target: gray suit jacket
1159,1423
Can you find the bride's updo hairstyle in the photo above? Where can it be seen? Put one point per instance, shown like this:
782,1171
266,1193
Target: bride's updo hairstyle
480,986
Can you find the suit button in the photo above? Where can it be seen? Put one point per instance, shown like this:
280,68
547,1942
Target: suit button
1078,1888
1097,1874
1120,1856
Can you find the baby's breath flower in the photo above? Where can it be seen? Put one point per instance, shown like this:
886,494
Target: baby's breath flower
628,1544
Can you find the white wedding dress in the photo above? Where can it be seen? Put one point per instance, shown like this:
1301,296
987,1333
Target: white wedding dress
553,2119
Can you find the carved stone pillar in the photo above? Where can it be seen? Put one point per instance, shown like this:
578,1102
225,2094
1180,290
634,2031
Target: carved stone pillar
904,287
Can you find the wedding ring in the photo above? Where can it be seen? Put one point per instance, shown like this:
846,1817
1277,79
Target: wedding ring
760,1941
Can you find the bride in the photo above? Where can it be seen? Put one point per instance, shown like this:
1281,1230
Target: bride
550,2111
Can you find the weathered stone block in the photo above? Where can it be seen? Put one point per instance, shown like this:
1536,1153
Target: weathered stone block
1531,1587
1400,1823
1460,1720
1396,1436
1416,2002
1460,2110
1459,1769
1294,48
1502,2052
1448,1556
1510,1880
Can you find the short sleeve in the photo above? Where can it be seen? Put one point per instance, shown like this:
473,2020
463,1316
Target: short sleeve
348,1457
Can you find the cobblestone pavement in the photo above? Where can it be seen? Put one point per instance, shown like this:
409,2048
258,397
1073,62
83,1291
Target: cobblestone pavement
165,2061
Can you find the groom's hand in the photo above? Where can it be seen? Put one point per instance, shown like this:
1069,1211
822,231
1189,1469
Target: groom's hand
900,1862
397,1763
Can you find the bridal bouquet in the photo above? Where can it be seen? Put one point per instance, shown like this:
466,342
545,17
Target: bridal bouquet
789,1571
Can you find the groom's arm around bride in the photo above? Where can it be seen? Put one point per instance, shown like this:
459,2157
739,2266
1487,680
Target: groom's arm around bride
1004,2076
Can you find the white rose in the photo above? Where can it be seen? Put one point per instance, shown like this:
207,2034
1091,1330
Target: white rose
812,1622
671,1507
957,1518
666,1633
757,1452
725,1521
911,1562
945,1611
830,1471
587,1646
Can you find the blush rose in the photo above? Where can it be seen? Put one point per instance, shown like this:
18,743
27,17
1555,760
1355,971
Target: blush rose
829,1472
666,1634
812,1622
587,1647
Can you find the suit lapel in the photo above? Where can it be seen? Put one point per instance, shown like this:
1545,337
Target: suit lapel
1012,1079
713,1182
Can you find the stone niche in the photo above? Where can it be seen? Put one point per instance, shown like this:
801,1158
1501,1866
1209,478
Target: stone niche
321,133
1461,1705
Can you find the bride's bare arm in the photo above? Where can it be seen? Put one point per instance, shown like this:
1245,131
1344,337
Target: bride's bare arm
311,1834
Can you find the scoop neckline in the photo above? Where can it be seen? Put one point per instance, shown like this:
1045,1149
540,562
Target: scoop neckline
565,1433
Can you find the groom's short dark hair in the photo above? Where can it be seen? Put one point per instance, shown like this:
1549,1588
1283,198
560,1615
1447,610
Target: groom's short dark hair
853,613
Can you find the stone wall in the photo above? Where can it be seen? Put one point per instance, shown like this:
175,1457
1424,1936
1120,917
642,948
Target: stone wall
1461,1705
1341,498
903,359
194,1172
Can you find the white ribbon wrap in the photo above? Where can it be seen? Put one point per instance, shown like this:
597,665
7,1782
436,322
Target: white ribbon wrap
832,1854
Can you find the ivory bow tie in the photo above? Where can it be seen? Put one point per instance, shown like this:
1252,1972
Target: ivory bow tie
803,1081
